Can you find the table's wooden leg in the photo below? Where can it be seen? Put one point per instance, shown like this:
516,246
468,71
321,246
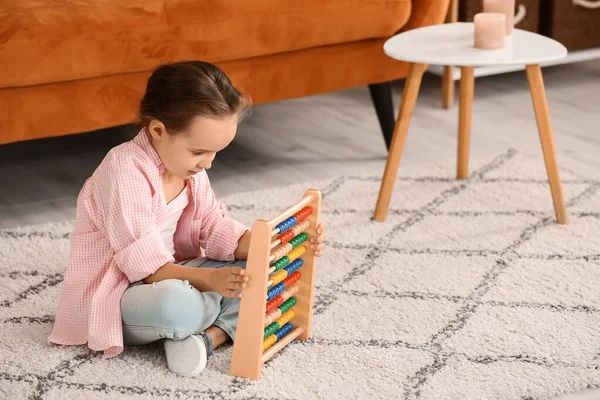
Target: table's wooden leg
448,78
467,88
542,116
448,87
407,105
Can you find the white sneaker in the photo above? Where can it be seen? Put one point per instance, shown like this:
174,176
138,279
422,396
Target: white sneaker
186,357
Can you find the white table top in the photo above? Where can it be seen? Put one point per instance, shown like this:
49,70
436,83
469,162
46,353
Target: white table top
452,44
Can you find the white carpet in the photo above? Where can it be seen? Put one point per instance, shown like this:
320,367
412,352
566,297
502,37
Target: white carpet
469,290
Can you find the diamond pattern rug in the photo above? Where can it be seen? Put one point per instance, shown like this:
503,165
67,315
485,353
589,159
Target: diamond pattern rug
469,290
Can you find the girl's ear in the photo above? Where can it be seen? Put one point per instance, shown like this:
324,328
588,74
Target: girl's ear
157,129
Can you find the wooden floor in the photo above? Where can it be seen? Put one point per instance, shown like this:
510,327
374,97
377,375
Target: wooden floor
322,136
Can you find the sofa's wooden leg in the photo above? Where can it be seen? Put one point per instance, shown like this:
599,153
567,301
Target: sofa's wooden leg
381,94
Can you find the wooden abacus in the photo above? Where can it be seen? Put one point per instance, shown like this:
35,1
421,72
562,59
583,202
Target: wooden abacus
281,269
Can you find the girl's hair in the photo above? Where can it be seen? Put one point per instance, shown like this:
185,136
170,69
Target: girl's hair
178,92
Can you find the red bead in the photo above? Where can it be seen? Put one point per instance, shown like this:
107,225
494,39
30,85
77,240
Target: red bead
273,304
286,237
293,278
302,214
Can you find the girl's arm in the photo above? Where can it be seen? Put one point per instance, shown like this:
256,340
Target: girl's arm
220,235
123,199
241,252
225,281
200,278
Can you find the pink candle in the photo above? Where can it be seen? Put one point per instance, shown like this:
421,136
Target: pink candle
506,7
489,31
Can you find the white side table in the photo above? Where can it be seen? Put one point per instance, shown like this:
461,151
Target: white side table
452,44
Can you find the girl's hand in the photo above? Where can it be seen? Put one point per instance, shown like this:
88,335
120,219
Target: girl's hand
317,242
228,281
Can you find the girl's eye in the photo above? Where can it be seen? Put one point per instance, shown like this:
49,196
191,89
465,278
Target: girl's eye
199,153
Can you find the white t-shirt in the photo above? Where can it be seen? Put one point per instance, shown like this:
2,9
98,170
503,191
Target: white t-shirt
169,224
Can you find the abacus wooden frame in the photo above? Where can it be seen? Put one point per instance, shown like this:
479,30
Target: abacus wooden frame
248,356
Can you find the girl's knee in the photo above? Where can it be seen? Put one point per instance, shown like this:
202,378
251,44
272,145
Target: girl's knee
176,300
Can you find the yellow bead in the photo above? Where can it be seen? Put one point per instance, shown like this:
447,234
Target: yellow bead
270,341
278,277
287,317
297,252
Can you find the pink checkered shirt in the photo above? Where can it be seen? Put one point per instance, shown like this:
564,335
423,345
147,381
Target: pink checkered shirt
116,241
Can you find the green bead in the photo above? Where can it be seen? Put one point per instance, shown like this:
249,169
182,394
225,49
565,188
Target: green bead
271,329
289,303
298,240
281,263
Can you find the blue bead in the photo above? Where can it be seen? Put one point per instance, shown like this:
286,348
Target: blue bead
294,266
285,329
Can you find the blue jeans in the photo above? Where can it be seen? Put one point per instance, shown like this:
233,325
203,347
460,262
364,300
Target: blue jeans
174,309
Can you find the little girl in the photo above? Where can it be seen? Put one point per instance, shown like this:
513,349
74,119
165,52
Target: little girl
154,255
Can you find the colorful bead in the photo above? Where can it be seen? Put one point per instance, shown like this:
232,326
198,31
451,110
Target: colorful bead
297,252
286,237
275,291
270,341
293,267
285,318
271,329
283,331
302,214
289,303
293,278
287,224
301,227
288,293
276,302
278,288
275,326
282,250
298,240
281,263
276,314
279,276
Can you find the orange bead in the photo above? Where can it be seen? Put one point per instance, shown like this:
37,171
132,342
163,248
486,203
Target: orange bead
282,250
301,227
272,317
290,292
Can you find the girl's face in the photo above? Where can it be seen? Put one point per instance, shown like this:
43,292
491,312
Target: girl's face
194,149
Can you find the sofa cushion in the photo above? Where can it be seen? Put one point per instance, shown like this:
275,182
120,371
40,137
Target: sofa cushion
114,100
44,41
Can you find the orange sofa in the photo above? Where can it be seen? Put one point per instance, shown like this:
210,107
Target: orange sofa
69,66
